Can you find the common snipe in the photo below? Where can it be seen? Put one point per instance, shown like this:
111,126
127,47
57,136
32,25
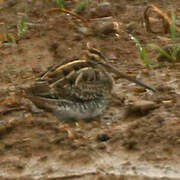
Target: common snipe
77,89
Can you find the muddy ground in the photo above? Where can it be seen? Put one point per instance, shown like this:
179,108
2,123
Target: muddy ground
133,140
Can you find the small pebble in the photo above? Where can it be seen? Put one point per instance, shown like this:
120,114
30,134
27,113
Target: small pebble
3,129
77,37
105,28
141,107
102,10
83,30
167,102
10,3
103,137
131,27
101,146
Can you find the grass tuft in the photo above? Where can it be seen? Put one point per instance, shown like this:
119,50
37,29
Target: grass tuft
61,4
10,38
81,6
22,25
172,54
142,51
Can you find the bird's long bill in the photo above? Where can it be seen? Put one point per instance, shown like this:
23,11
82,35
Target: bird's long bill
122,75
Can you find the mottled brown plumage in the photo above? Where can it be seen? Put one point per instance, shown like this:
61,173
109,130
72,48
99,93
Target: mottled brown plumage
77,89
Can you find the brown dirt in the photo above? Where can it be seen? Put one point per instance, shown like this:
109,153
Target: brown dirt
121,144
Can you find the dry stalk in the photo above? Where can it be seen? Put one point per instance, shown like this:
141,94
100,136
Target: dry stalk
84,21
166,20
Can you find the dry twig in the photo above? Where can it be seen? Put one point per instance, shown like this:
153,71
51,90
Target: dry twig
166,20
84,21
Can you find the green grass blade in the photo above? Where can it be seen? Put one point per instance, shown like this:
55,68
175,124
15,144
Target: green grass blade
161,51
10,38
173,26
60,4
81,6
142,51
22,25
173,35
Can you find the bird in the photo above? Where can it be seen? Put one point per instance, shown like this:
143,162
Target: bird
78,89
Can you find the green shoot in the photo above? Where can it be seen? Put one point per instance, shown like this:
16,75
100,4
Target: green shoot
60,4
142,51
160,50
10,38
81,6
173,26
173,36
172,54
22,25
